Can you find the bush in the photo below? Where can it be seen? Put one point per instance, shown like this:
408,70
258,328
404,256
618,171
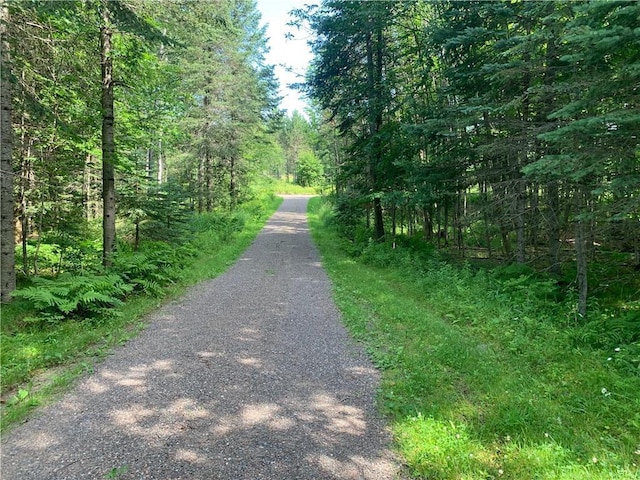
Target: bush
73,296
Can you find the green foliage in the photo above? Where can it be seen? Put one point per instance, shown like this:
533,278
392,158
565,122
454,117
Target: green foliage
503,129
76,296
220,223
283,187
348,214
482,376
153,266
308,170
157,268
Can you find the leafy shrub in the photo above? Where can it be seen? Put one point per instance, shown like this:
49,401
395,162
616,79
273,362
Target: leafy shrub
308,169
74,296
156,264
220,223
348,214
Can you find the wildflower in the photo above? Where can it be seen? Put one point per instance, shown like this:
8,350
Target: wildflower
617,349
609,359
605,392
594,460
500,471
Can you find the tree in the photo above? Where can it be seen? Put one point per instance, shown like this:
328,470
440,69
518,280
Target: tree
308,169
108,146
350,79
7,241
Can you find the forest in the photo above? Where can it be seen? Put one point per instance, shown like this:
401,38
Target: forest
508,130
141,144
492,145
129,116
490,179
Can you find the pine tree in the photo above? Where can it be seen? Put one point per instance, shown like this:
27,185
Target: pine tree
7,241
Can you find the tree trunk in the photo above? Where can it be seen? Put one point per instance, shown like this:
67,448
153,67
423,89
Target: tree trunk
25,184
108,146
208,180
378,222
394,225
199,187
160,163
233,183
553,201
7,238
374,76
521,208
427,224
581,255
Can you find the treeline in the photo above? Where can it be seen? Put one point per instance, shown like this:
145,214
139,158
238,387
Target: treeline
509,128
129,115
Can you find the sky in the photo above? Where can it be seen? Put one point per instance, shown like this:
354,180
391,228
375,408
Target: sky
290,57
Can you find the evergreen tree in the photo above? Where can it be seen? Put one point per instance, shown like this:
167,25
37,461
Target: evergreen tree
7,242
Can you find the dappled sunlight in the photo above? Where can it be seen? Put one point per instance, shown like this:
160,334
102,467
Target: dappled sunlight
246,384
209,355
269,415
351,468
133,415
338,417
190,456
43,442
187,408
330,464
360,370
251,362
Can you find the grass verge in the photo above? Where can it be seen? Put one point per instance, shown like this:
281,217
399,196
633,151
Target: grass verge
40,361
285,187
483,378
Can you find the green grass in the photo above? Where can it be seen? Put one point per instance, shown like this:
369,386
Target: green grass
37,361
484,377
282,186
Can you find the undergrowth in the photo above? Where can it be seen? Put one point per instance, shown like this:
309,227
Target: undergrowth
488,373
57,326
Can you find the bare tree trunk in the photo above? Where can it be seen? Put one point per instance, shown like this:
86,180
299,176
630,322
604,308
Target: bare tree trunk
25,184
233,183
208,180
7,237
581,255
160,163
108,146
485,214
199,187
374,75
553,201
394,225
521,239
149,163
427,223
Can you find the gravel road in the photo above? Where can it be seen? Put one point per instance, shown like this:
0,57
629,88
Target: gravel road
248,376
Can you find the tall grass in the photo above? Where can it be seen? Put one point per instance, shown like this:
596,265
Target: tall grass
39,359
485,374
282,186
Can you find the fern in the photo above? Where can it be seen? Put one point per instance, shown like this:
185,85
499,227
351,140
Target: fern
75,296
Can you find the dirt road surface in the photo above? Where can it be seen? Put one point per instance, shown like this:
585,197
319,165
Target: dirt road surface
248,376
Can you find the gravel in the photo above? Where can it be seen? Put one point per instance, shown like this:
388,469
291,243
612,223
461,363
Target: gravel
249,376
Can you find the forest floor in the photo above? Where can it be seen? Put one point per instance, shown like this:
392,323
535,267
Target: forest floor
249,375
488,373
